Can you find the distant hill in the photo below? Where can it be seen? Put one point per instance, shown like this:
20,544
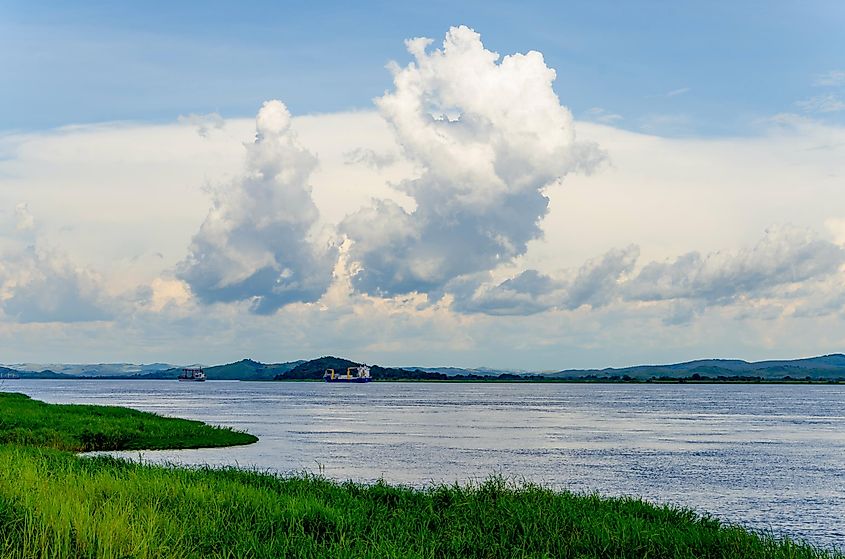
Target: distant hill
316,368
7,373
245,369
92,370
480,371
825,367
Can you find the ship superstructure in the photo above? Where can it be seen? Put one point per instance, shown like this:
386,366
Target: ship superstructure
361,373
195,374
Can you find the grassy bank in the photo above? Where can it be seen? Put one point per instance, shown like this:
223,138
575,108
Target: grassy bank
29,422
55,504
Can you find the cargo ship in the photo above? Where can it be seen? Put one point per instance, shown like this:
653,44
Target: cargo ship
361,374
195,374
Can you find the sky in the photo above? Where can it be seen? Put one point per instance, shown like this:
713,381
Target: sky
530,186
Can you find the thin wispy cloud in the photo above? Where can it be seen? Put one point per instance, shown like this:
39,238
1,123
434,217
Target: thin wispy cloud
598,114
676,92
827,103
666,124
830,78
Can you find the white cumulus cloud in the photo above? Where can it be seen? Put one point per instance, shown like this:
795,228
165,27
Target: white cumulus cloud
40,285
599,114
261,240
488,136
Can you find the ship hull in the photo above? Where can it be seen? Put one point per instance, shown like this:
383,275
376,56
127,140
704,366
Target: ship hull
356,380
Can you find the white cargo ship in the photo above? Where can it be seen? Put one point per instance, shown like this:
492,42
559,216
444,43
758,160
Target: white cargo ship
195,374
362,374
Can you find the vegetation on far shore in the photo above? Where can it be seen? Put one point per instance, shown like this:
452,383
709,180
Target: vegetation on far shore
56,504
316,368
823,369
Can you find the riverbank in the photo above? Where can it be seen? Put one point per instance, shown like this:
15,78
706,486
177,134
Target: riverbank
73,427
55,504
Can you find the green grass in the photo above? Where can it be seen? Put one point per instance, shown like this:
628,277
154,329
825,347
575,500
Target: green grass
54,504
29,422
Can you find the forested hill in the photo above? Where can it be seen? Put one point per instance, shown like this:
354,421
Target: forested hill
245,369
316,368
825,367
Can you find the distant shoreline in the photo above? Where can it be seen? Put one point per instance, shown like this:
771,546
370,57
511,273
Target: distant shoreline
481,380
825,369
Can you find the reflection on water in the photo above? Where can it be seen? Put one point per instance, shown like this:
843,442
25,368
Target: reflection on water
768,456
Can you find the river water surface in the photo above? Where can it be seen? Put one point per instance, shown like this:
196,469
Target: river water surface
770,457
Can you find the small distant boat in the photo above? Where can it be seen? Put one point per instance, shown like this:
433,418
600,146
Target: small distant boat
195,374
362,374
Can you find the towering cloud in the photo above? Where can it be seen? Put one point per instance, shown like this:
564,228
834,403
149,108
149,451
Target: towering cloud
260,242
488,136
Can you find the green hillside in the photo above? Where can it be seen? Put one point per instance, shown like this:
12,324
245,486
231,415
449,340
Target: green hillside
245,369
316,368
825,368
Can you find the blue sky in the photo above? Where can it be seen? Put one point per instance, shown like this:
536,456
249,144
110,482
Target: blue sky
679,68
206,181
